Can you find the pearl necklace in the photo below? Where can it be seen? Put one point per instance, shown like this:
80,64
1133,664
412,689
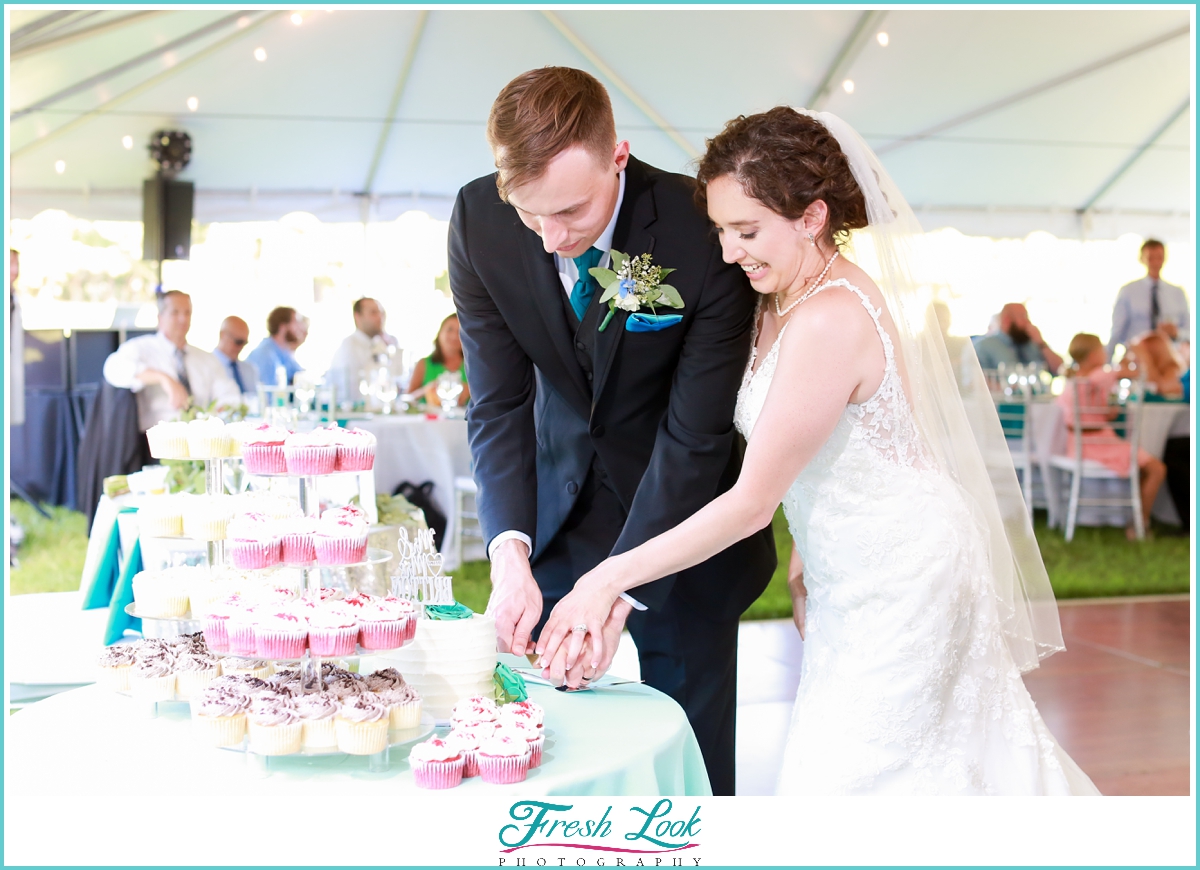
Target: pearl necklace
815,284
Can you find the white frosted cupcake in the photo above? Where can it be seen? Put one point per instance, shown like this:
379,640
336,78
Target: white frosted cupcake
332,630
280,632
160,516
341,540
468,739
355,449
208,439
160,594
206,518
168,440
436,763
503,759
297,540
259,501
362,725
262,449
253,541
310,453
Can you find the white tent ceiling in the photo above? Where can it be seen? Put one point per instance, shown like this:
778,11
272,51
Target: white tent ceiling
997,122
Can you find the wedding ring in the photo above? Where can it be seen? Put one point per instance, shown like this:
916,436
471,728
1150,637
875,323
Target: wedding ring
580,627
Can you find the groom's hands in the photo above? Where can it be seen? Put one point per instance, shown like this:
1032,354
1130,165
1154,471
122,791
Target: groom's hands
516,600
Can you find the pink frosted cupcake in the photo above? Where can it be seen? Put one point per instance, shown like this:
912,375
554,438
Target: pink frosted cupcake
468,739
332,630
310,453
531,734
380,626
296,540
253,541
280,633
436,763
503,759
240,629
262,450
341,540
355,450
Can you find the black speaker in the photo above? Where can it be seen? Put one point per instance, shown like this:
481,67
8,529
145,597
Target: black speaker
167,219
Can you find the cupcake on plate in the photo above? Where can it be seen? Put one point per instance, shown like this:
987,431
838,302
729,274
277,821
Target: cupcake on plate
387,678
194,672
436,763
404,706
262,449
468,739
152,678
332,630
245,667
274,726
286,682
355,450
239,626
254,541
168,440
280,633
160,516
341,540
206,517
531,734
219,717
380,625
522,711
115,663
310,453
297,540
317,711
160,594
208,438
362,725
503,759
273,505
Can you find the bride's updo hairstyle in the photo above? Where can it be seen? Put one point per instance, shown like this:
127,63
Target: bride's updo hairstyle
786,161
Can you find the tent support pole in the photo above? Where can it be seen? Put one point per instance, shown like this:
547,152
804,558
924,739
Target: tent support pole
397,93
849,52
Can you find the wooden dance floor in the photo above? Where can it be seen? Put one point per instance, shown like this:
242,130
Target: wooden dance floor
1118,698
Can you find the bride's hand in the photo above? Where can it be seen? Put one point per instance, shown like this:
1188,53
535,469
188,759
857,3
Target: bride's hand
796,588
589,604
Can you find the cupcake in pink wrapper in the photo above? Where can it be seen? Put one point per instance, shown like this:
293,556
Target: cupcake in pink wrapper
528,732
380,625
296,538
436,763
341,540
216,623
525,712
503,759
310,453
473,711
262,449
355,450
408,615
468,739
253,541
240,630
352,511
280,633
358,601
332,630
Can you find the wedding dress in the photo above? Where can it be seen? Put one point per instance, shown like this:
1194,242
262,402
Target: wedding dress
907,685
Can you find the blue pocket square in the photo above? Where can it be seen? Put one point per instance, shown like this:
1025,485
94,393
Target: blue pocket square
638,322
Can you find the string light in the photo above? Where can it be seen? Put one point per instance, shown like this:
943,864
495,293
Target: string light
60,166
193,104
127,141
882,38
297,19
848,86
260,54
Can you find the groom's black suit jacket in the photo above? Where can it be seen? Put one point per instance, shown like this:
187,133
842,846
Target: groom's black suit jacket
552,399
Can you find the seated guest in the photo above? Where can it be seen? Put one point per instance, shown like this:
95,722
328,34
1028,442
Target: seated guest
234,335
1018,342
363,352
1095,381
165,371
447,356
1158,362
275,352
1150,303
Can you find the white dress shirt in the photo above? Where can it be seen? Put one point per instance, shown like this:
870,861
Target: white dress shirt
357,354
1131,312
209,380
247,370
568,274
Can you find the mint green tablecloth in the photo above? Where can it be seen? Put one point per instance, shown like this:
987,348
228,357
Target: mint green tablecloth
626,740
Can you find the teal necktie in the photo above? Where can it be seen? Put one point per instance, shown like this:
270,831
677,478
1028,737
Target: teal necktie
585,284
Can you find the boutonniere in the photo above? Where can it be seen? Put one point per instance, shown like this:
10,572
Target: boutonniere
635,284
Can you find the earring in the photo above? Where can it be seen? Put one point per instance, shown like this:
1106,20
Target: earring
811,240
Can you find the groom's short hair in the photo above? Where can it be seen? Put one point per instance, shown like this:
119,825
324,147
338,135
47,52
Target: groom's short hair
540,114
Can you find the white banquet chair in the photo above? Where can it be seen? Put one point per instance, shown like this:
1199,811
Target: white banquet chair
1076,468
1013,399
464,488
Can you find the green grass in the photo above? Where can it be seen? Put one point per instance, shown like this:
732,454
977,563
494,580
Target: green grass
1098,563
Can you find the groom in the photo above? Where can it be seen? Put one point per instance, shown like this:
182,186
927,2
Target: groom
589,441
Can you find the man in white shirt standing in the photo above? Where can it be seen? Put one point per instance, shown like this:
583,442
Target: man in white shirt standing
1150,303
363,351
165,372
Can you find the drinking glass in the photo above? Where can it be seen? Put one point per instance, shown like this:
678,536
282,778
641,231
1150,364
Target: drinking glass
449,388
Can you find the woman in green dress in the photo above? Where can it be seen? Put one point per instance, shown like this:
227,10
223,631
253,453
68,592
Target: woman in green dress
447,356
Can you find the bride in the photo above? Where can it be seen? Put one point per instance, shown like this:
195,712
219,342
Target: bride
923,596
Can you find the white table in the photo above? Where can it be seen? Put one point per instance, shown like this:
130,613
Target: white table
1160,421
417,449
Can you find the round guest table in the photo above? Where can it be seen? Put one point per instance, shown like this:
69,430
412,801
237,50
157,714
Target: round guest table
91,742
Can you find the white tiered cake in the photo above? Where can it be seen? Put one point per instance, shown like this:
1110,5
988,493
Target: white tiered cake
448,660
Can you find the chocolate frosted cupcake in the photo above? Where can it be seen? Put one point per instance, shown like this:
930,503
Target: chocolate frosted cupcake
404,706
362,726
115,663
152,677
274,726
387,678
193,672
219,717
317,711
247,667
